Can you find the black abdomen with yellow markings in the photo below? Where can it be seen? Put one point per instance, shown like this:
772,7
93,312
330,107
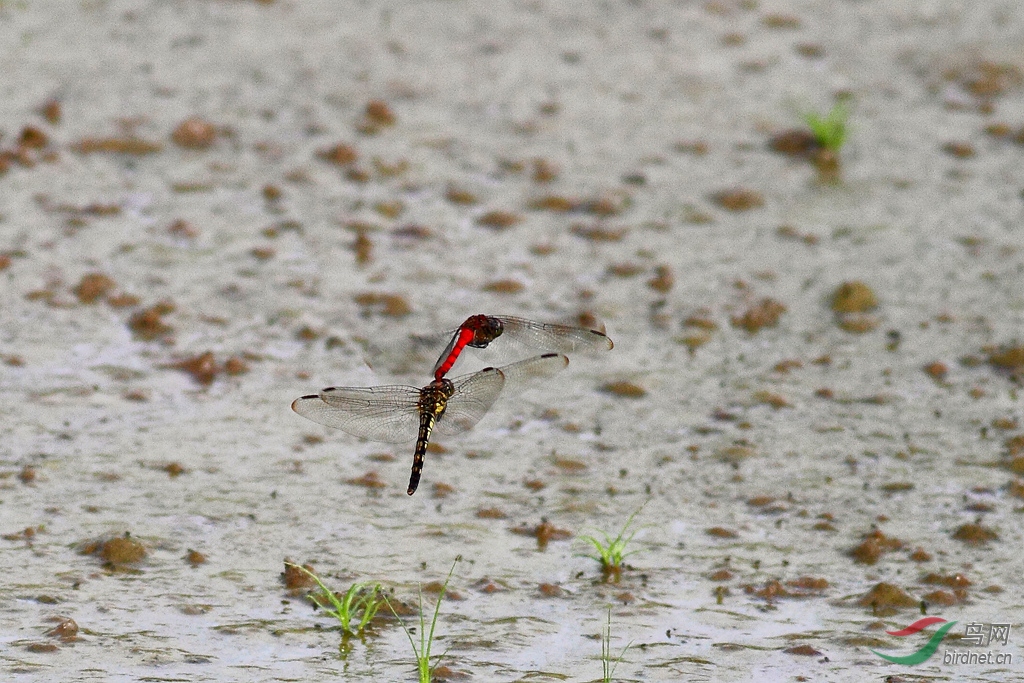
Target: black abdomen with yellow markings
433,402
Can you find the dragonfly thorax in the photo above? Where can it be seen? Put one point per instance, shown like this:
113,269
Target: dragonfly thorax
434,397
485,330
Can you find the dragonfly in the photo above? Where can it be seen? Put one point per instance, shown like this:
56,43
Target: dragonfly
399,414
478,331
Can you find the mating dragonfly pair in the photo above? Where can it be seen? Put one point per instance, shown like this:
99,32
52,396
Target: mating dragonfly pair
398,414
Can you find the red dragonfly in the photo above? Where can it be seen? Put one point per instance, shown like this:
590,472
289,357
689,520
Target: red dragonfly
478,331
398,414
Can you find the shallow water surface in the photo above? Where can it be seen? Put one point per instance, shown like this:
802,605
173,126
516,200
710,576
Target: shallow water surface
388,170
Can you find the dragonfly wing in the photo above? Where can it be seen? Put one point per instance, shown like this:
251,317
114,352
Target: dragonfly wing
473,397
475,394
388,413
519,375
406,354
553,338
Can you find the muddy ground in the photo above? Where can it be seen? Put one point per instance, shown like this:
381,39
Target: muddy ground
209,208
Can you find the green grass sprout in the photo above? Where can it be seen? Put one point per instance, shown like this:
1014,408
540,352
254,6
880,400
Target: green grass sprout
611,551
422,653
830,130
354,610
607,663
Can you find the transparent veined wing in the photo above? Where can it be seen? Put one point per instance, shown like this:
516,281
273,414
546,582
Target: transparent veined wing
476,393
553,337
473,397
409,354
519,375
389,414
